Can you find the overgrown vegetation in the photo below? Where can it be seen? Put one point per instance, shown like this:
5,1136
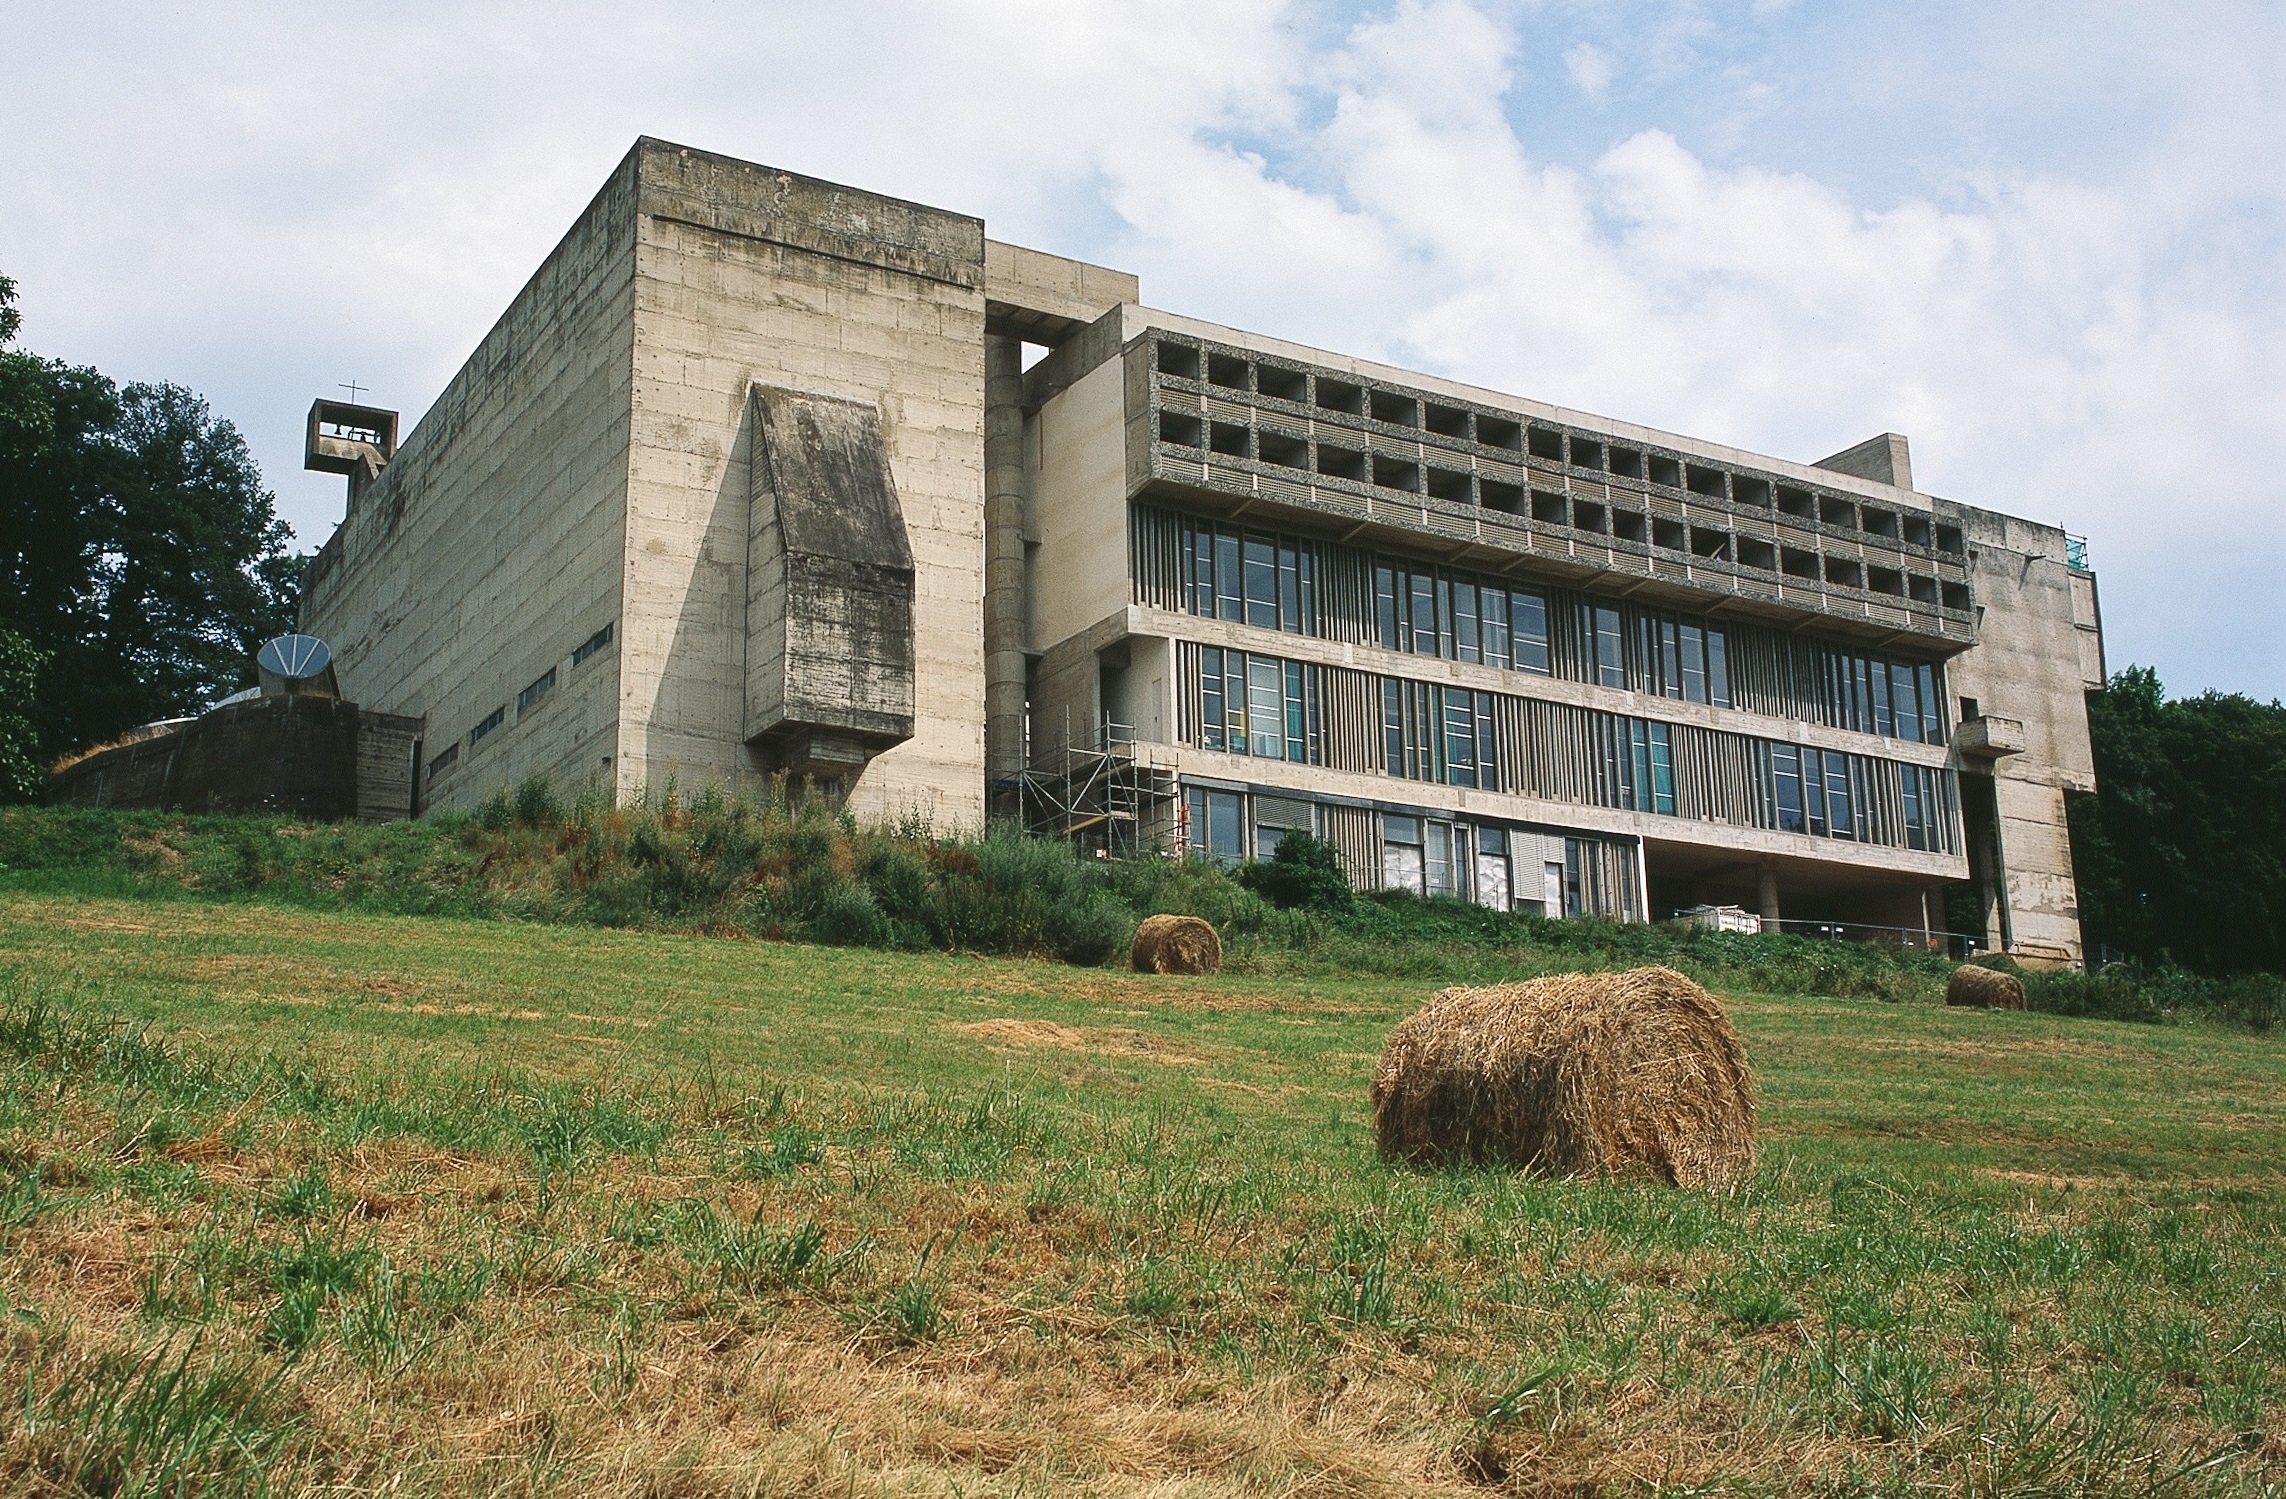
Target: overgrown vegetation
299,1203
795,869
2181,853
141,557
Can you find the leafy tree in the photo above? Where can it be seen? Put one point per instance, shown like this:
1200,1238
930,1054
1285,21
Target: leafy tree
2181,853
1303,872
20,774
140,555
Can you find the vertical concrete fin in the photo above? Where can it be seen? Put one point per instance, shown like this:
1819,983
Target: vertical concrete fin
829,659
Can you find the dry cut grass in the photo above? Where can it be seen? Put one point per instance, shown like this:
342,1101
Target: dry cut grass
830,1223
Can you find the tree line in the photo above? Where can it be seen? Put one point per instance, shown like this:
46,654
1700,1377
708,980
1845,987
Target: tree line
2181,853
141,559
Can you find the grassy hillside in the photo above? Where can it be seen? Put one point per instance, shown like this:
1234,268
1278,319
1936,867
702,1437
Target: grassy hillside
714,864
363,1203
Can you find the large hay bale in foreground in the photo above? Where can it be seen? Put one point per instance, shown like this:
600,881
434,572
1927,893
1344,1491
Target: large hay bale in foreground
1176,944
1626,1074
1984,989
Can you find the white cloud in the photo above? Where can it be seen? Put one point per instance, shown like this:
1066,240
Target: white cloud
260,208
1590,69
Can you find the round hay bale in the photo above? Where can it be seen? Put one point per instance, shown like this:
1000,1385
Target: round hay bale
1176,944
1984,989
1623,1074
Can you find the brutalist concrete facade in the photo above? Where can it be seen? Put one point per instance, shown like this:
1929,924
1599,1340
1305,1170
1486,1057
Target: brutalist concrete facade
756,476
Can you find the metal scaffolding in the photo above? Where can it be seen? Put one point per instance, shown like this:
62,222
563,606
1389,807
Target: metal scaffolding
1100,796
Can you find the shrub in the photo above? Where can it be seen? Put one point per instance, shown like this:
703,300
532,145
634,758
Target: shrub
1304,873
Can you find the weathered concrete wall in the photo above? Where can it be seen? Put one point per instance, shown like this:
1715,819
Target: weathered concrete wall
2031,663
1020,281
316,758
491,546
385,769
135,774
746,276
1076,466
829,645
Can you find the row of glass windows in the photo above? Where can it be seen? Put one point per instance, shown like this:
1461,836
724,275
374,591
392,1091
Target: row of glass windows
1271,708
1895,699
1251,577
1259,705
1436,733
1823,793
1431,856
1281,582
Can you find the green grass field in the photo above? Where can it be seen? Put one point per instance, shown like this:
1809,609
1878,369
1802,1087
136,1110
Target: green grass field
300,1202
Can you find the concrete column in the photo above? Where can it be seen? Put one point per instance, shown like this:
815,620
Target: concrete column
1766,894
1003,575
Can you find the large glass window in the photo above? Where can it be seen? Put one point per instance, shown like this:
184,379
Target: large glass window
1214,711
1460,737
1493,611
1402,865
1840,823
1494,877
1529,621
1423,609
1261,582
1786,775
1229,604
1610,648
1662,770
1266,707
1217,828
1436,858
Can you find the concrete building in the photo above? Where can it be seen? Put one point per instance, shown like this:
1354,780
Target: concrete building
760,474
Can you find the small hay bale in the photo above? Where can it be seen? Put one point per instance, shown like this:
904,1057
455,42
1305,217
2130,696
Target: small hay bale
1176,944
1623,1074
1984,989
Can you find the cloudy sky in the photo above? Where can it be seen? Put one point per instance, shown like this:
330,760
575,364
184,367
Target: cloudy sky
2045,241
